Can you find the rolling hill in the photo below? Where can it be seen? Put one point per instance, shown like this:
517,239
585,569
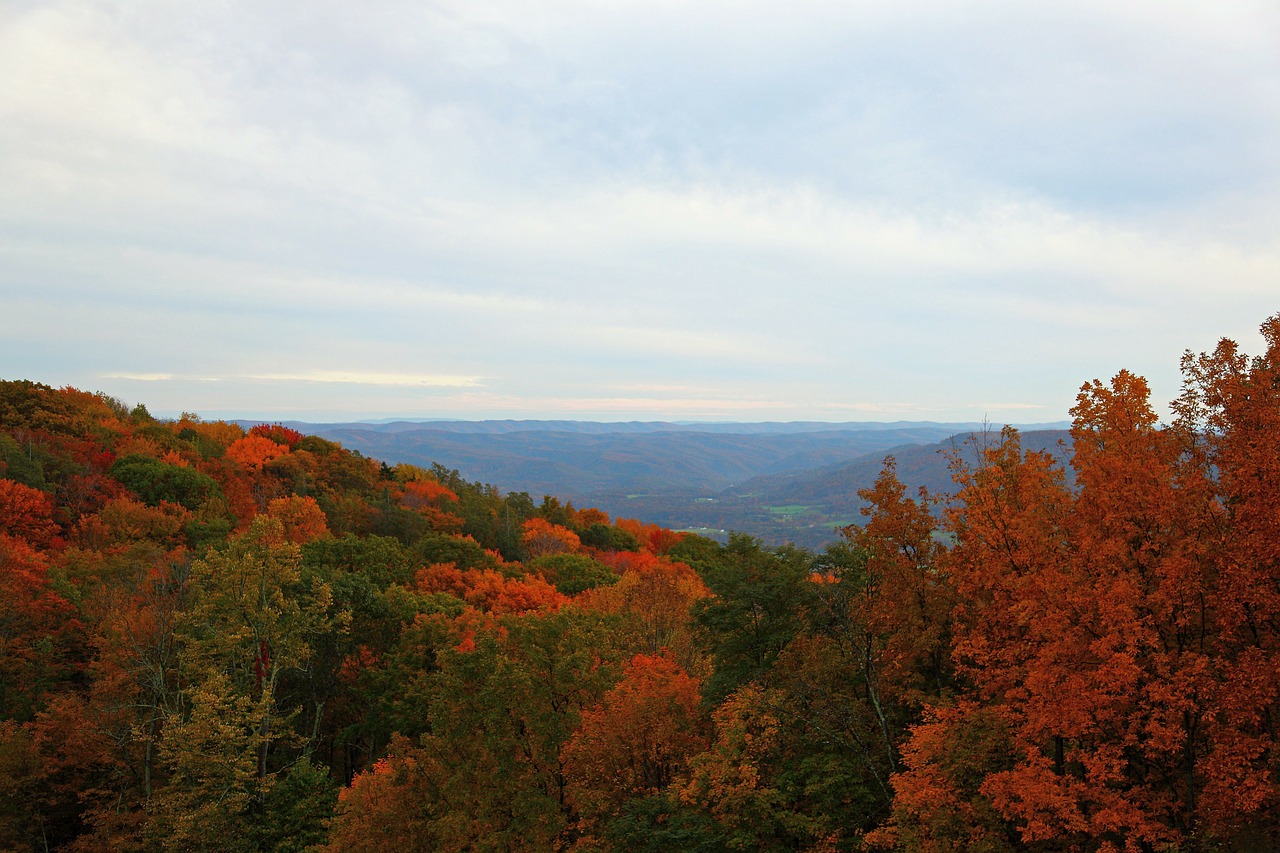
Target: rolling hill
807,506
778,481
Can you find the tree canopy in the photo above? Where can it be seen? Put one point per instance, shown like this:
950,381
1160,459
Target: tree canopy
220,639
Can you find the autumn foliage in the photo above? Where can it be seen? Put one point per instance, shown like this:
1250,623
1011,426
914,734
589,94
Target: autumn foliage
542,537
301,518
637,741
1120,635
27,514
220,639
255,451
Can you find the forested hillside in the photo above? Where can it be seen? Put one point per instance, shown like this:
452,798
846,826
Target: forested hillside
214,638
811,506
620,458
779,482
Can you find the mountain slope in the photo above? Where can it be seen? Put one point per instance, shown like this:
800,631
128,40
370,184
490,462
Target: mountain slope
577,459
807,506
836,486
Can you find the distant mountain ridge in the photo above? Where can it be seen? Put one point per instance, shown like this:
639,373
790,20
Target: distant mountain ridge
807,506
577,458
916,465
792,481
490,427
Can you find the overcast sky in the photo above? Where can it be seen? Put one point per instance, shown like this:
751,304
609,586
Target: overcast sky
624,210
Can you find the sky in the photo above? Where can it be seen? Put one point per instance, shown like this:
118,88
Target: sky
618,210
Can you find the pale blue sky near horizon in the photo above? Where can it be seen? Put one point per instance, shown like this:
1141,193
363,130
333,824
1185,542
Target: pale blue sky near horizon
660,210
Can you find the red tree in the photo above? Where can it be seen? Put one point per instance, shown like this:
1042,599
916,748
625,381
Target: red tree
27,514
637,740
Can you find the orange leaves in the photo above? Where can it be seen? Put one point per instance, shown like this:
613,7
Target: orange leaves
35,621
278,433
27,595
636,741
1239,784
541,537
729,781
657,540
489,590
430,499
1050,806
661,540
386,807
423,493
938,805
172,457
584,518
656,595
363,659
1098,623
302,518
214,434
907,599
255,451
27,514
124,520
1008,561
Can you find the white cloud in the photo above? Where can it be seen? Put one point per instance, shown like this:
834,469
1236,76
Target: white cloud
141,377
893,205
357,378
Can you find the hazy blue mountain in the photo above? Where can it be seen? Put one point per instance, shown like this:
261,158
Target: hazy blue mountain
917,465
806,507
793,481
630,427
578,458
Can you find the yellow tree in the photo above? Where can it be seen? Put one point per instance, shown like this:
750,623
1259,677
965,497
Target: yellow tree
250,625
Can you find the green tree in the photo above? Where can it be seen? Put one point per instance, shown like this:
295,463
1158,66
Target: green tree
503,707
761,596
573,573
155,481
250,624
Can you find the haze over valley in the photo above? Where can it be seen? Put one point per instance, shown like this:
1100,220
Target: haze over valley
782,482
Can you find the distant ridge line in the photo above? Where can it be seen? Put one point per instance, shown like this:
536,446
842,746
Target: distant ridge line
500,426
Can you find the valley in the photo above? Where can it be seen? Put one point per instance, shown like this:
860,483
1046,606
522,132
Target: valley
780,482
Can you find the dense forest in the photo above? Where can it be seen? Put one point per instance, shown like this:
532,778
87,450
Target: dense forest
214,638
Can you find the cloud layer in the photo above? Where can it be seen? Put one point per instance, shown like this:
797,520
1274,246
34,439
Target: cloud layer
632,210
